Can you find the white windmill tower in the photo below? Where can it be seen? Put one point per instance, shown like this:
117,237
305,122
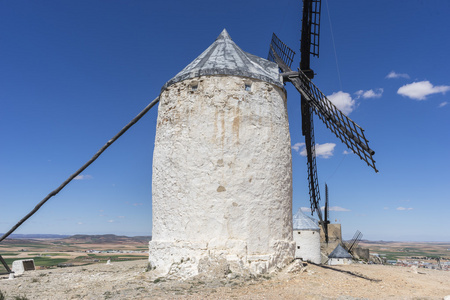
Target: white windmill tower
222,175
307,238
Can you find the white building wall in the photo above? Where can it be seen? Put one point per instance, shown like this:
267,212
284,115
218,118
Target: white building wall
307,245
222,178
339,261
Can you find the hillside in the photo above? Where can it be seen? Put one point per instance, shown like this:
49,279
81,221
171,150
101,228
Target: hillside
36,236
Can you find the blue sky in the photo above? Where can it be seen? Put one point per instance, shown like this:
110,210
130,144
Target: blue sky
73,73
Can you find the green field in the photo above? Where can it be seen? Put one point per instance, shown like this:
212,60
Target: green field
49,261
41,261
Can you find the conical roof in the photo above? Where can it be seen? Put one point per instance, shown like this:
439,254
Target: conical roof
224,57
300,221
339,252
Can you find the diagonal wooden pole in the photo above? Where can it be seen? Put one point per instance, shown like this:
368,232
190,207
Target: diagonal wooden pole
99,152
5,265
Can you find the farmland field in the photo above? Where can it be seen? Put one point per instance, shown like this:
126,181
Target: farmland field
400,250
73,251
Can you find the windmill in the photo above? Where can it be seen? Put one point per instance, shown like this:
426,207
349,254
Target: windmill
313,100
212,117
353,243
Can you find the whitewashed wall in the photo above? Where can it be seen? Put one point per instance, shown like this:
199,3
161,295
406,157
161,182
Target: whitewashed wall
307,245
222,178
339,261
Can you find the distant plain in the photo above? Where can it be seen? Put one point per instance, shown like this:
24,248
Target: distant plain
74,250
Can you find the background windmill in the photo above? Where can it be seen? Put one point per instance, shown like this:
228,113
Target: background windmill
351,245
313,100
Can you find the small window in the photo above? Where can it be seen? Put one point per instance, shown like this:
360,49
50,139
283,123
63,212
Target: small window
298,247
248,87
193,85
299,232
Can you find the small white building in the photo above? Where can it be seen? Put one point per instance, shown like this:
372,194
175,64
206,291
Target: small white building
20,266
307,238
339,256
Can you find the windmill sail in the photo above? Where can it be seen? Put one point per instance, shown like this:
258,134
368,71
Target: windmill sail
285,53
311,27
310,145
350,133
353,243
313,100
314,21
281,54
327,215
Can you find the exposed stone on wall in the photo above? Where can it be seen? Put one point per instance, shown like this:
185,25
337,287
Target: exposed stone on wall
222,178
361,253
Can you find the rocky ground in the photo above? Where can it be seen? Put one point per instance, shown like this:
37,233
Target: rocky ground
129,280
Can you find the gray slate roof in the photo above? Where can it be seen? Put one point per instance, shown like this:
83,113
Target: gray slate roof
301,221
339,252
224,57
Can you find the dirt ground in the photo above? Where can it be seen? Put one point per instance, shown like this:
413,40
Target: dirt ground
128,280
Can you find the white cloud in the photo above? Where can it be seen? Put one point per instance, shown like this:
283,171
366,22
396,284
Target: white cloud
335,208
297,146
305,209
303,152
338,208
385,208
392,74
404,208
443,104
80,223
83,177
347,152
343,102
377,93
322,150
420,90
110,221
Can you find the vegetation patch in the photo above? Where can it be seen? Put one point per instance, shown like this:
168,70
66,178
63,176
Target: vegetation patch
41,261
